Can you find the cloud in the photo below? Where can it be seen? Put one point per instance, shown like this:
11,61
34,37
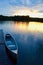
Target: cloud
17,10
39,8
35,2
19,2
26,2
8,7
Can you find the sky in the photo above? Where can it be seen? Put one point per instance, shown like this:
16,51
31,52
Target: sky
33,8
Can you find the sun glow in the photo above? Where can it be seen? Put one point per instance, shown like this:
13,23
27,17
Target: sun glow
31,13
27,11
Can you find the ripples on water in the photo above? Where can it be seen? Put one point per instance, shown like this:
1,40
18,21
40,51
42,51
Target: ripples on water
29,37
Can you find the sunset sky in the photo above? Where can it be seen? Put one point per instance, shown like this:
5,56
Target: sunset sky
33,8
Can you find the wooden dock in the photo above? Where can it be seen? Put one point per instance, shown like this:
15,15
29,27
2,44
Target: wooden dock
4,59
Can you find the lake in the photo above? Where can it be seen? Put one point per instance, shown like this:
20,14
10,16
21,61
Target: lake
29,38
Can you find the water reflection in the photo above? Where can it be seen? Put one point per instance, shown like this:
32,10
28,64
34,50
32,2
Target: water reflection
29,37
22,26
28,26
36,26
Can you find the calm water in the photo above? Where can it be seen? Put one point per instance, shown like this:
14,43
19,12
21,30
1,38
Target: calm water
29,38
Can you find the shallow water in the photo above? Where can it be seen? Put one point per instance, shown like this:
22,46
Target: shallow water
29,38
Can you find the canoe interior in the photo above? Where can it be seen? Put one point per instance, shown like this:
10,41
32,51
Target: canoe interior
11,44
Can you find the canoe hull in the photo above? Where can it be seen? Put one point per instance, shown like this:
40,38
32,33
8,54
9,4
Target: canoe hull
13,56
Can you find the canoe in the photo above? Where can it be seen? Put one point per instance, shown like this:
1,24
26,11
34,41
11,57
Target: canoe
11,47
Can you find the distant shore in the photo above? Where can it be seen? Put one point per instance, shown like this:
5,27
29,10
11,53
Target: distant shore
19,18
